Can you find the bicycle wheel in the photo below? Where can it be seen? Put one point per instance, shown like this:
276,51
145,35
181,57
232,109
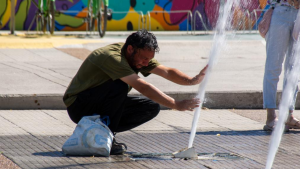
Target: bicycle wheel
44,24
51,17
90,19
102,19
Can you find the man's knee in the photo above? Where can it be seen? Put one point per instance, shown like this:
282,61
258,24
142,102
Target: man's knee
155,109
74,116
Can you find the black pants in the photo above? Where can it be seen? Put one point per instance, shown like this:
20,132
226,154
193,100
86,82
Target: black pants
110,99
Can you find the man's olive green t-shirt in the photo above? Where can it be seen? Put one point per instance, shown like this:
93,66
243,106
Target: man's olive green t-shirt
100,66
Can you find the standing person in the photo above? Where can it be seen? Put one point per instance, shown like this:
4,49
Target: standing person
106,76
279,42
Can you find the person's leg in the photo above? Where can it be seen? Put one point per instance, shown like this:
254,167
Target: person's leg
137,111
277,40
291,122
271,117
107,99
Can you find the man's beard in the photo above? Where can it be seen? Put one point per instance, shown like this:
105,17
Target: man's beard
132,62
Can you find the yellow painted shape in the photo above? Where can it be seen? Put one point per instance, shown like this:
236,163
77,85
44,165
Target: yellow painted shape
156,26
159,22
156,22
32,42
121,25
6,15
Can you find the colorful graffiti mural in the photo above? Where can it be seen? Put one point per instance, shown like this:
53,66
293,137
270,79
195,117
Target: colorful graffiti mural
135,14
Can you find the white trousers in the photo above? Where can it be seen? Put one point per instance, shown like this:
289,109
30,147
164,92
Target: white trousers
280,43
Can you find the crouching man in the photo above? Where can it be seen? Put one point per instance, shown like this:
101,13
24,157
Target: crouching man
106,76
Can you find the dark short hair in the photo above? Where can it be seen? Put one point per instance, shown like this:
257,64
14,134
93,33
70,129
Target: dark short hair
141,39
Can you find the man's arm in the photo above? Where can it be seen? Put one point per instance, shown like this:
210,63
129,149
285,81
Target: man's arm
158,96
177,76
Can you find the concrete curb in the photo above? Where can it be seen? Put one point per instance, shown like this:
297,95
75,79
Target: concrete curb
118,33
231,99
213,100
31,101
225,100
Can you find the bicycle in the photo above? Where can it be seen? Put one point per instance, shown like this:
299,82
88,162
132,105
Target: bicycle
97,9
46,11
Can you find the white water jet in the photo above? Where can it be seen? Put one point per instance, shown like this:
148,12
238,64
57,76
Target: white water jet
286,100
223,24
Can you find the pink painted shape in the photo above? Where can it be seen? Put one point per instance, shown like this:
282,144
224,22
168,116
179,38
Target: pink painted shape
212,11
249,4
190,5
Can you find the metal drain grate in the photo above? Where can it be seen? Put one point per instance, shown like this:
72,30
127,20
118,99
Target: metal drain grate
151,156
169,156
219,156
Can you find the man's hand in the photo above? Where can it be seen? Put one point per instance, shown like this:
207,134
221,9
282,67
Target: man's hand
198,78
187,104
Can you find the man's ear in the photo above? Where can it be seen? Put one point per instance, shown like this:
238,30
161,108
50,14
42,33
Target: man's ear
130,49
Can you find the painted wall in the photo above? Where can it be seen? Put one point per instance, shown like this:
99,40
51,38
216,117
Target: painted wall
163,14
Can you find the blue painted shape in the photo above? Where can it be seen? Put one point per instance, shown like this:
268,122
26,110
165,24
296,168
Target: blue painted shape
77,7
165,4
58,26
144,6
115,5
182,25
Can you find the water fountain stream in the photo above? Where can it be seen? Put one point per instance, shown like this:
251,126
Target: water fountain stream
223,25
